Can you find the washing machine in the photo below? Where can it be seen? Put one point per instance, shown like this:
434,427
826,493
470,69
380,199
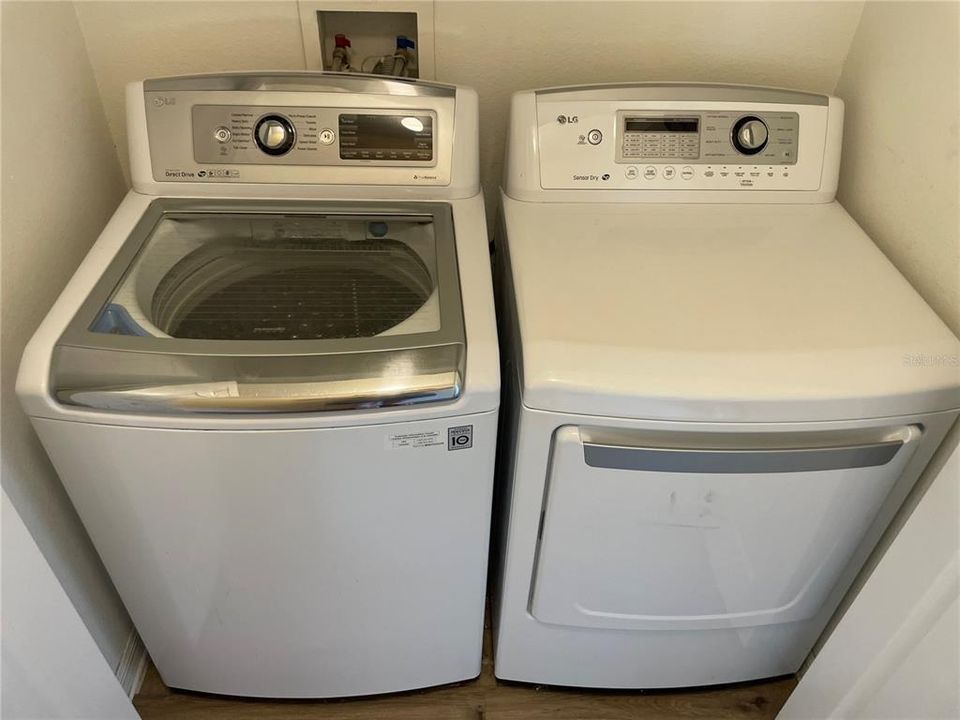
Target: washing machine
271,388
719,389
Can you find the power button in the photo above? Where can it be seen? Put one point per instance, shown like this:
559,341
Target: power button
222,134
594,137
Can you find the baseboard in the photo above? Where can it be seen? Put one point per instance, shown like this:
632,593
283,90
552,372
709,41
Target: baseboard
133,665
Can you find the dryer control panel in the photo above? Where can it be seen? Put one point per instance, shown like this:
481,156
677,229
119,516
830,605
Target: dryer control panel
709,137
678,138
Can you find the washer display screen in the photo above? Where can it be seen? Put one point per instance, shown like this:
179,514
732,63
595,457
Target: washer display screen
386,137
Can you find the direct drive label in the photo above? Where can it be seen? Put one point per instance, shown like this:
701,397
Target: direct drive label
460,437
426,439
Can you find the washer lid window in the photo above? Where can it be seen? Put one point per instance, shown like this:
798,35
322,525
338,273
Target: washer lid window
263,306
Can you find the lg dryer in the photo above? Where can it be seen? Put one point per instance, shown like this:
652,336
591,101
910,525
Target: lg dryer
720,389
271,388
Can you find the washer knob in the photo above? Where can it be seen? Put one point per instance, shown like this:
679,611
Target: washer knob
750,135
274,134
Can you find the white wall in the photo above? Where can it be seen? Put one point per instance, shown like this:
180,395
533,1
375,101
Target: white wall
51,666
900,151
495,47
61,181
894,654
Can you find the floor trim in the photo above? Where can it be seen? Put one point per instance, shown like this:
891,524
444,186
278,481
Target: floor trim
133,664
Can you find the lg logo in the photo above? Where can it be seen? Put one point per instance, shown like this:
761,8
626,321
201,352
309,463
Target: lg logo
564,119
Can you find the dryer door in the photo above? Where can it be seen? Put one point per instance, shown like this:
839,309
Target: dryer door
671,531
267,306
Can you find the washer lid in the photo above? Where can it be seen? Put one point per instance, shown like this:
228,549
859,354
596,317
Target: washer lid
260,306
719,312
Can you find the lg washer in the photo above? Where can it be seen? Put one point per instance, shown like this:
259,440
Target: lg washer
256,386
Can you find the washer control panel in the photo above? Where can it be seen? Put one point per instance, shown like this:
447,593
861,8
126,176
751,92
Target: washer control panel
251,135
593,140
757,138
328,130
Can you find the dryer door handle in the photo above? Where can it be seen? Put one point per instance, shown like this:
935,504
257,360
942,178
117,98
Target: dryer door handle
743,461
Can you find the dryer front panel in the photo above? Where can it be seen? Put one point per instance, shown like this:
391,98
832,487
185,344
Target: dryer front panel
685,531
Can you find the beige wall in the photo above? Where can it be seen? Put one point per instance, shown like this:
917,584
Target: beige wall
61,181
900,161
129,40
501,47
495,47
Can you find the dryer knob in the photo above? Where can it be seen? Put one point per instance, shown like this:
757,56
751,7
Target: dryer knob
750,135
274,134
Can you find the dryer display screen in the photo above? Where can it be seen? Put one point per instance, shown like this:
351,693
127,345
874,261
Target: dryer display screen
658,125
655,137
386,137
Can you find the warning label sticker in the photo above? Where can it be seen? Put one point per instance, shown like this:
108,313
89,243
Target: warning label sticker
415,440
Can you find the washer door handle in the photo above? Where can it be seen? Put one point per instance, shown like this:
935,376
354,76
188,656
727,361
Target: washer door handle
278,397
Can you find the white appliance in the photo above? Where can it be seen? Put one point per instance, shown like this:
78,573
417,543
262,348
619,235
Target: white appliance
720,390
271,389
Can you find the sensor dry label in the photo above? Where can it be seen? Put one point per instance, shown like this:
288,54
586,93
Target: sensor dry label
431,438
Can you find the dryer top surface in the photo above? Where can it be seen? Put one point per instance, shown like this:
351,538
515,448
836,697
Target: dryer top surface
720,312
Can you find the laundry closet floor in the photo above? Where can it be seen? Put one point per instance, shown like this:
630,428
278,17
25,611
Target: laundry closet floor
485,698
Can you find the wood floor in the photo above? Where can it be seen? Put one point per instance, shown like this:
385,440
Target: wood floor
485,698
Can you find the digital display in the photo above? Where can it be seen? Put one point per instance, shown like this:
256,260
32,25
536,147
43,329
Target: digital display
660,125
386,137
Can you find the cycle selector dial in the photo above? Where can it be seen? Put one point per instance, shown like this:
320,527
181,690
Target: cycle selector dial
750,135
274,134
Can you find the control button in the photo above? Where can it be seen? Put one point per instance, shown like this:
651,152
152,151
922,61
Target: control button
632,172
594,137
708,173
222,134
274,134
650,172
749,135
669,172
687,173
327,136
